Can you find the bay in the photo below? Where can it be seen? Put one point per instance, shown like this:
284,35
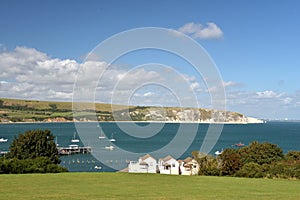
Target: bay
284,134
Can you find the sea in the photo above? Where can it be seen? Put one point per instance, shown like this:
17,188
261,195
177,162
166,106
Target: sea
133,140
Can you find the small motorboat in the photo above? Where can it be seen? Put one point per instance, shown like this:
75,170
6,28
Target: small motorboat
239,144
110,147
218,152
97,167
3,140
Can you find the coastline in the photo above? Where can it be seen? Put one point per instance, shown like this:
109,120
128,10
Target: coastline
166,122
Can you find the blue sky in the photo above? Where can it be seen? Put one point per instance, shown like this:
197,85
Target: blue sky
257,52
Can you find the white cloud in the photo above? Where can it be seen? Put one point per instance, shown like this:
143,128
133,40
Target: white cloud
195,85
196,30
264,104
268,94
287,100
228,84
148,94
30,74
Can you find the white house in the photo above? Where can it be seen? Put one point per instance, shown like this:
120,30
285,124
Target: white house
145,164
168,165
189,167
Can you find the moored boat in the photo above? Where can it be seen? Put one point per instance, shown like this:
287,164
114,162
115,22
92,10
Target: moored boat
3,140
239,144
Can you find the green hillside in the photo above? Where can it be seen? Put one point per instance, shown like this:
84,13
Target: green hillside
16,110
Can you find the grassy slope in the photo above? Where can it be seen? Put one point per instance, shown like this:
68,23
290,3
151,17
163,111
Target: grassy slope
42,105
142,186
41,109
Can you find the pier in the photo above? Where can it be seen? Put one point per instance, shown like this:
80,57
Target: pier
73,149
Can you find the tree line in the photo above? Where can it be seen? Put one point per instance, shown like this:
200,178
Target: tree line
257,160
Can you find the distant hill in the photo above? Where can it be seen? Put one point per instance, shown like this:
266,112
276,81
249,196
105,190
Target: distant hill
17,110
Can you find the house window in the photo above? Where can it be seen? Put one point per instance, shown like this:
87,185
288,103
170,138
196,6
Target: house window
173,165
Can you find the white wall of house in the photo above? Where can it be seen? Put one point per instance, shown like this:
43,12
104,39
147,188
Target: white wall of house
168,166
146,164
189,168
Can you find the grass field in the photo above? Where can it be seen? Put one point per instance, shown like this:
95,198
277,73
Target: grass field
142,186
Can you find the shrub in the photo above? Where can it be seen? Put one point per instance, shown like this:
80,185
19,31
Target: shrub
251,170
35,165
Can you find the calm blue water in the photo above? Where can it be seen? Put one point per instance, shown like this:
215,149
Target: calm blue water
285,134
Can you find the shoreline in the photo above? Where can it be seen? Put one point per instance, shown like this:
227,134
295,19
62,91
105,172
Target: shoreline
166,122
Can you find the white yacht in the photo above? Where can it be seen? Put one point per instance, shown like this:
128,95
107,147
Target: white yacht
101,136
74,139
218,152
110,147
3,140
112,139
98,167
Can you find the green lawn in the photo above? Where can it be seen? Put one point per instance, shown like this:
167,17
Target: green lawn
142,186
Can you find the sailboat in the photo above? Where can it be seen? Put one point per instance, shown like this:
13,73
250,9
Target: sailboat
74,138
112,139
56,142
101,136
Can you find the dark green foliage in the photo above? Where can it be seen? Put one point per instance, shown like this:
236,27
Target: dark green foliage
32,152
251,170
293,156
254,161
208,165
283,170
33,144
260,153
230,161
35,165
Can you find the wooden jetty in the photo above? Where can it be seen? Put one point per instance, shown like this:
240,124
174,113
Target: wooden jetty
73,149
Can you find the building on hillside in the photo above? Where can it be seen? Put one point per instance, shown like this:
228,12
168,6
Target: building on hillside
145,164
168,165
189,167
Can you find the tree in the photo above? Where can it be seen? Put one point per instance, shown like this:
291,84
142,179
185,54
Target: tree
33,144
261,153
230,161
252,170
208,165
